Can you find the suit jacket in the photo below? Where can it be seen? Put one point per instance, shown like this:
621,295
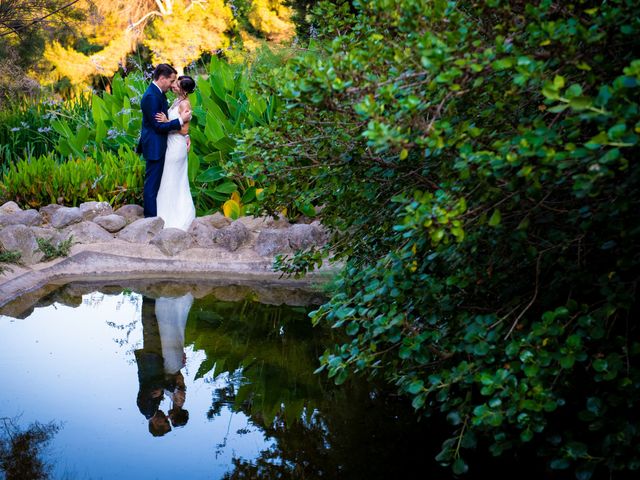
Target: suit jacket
153,136
150,361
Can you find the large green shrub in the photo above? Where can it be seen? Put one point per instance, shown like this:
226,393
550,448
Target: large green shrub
27,126
114,177
225,104
476,162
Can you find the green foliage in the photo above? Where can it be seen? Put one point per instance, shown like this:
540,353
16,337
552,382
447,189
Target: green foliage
27,126
225,105
106,126
51,251
116,178
475,162
8,256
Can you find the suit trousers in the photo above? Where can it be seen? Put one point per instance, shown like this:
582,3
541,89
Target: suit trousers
152,179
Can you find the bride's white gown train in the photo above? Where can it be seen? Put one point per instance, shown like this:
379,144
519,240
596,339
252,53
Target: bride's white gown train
175,204
172,314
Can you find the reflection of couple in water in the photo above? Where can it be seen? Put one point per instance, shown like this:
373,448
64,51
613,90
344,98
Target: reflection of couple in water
160,360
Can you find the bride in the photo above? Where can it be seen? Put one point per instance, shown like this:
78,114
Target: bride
175,204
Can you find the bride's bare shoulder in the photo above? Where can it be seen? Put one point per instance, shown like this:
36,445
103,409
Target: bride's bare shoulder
184,105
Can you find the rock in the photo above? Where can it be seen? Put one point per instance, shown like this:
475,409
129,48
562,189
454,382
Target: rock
257,224
111,223
65,216
217,220
202,232
91,210
142,230
48,210
171,241
231,293
21,217
272,241
50,234
86,232
232,237
303,236
20,238
67,296
287,296
165,289
9,207
131,212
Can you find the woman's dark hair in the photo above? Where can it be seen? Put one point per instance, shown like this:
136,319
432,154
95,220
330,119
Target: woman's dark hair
187,84
163,70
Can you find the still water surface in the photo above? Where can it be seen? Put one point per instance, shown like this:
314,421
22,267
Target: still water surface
166,387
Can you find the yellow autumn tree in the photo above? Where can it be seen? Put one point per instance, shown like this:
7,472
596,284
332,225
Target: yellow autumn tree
79,68
273,19
186,30
176,31
107,30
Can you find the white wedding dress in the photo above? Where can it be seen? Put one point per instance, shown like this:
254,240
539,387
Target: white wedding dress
175,204
172,314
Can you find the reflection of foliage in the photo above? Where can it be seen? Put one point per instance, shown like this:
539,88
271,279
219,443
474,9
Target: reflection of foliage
348,436
271,345
125,329
263,357
20,450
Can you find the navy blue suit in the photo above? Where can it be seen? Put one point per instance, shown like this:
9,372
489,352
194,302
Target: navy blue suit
153,144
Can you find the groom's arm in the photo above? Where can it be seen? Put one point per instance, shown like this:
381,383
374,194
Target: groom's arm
152,104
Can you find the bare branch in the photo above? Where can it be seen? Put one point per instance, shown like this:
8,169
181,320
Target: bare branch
38,20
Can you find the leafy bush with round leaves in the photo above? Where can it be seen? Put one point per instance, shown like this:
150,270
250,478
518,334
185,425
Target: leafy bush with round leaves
476,163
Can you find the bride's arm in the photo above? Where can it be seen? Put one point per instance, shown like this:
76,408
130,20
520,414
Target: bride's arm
185,105
161,117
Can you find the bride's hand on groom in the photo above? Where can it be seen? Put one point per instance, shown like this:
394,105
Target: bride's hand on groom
161,117
186,116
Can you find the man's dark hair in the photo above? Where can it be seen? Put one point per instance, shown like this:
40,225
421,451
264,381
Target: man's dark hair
163,70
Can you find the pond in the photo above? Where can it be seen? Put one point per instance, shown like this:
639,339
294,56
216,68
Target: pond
198,381
193,381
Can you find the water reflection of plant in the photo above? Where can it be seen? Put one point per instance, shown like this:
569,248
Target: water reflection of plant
272,348
356,432
21,449
262,359
125,326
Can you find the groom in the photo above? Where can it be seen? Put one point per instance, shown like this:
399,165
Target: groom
153,136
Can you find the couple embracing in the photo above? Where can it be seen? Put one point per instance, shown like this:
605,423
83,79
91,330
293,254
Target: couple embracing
164,144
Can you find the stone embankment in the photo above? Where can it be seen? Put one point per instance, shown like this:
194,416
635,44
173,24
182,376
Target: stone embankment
122,243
